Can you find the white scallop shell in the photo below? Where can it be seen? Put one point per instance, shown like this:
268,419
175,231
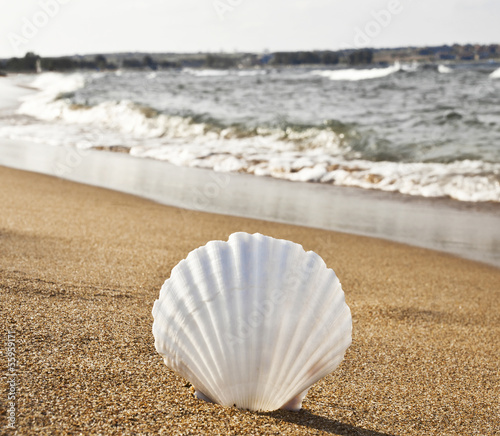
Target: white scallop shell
252,322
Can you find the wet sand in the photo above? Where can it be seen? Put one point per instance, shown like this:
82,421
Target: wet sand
470,230
80,269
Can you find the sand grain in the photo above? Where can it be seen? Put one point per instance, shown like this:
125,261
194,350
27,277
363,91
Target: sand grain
80,268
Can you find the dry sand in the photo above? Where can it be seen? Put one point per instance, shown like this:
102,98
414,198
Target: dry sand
80,268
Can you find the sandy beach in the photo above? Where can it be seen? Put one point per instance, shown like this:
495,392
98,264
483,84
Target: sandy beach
82,266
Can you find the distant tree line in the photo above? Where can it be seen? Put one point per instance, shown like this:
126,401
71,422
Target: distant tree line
31,62
220,61
462,52
304,58
148,62
360,57
355,57
26,64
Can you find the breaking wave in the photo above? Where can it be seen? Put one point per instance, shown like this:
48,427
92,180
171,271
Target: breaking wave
495,74
299,153
443,69
353,74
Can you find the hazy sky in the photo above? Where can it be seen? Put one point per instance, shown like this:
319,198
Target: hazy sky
58,27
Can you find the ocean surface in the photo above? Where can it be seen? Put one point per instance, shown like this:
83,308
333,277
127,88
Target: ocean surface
431,131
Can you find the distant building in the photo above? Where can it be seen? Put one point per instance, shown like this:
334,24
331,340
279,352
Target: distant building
446,56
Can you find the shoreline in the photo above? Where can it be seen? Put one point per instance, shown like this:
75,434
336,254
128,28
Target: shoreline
468,230
465,229
80,269
11,92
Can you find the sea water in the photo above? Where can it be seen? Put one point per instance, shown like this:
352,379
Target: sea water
431,131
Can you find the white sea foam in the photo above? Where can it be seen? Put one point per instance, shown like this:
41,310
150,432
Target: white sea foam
495,74
206,72
242,73
222,73
443,69
123,116
138,122
462,180
411,67
352,74
44,104
11,92
309,155
55,83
